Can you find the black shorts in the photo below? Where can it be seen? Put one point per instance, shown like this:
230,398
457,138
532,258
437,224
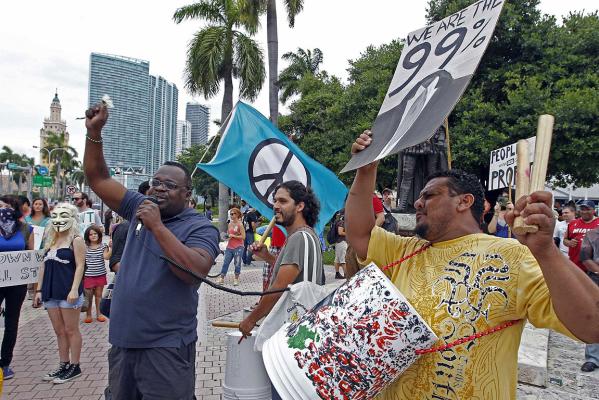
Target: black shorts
161,373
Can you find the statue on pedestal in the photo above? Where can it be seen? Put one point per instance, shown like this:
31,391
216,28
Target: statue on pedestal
415,164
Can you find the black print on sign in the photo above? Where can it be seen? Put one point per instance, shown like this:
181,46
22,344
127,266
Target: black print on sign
271,164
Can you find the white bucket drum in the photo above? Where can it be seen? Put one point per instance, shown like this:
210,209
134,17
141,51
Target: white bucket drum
245,376
351,345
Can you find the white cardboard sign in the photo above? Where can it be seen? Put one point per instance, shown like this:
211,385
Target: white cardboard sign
502,167
20,267
435,67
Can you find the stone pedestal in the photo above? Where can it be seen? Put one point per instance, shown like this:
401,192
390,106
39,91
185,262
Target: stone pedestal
532,356
406,222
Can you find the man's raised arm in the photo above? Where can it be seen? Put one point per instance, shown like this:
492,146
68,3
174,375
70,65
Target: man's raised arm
574,296
94,165
359,213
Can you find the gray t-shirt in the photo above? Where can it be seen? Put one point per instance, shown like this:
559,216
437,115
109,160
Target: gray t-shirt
294,252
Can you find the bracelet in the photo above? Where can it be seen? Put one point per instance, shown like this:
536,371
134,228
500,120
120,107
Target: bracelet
38,291
94,140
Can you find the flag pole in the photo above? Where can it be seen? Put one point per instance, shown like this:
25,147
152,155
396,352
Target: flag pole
212,141
448,143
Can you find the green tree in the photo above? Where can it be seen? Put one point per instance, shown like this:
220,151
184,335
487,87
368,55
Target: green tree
532,66
301,63
221,51
203,184
62,161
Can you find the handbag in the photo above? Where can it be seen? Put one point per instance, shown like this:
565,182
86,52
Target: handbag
106,300
295,302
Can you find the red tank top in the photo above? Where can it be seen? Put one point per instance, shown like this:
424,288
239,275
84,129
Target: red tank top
234,242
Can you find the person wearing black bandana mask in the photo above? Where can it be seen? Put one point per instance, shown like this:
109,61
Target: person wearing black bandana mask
14,236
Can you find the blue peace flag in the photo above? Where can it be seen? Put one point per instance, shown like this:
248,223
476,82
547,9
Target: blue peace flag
254,157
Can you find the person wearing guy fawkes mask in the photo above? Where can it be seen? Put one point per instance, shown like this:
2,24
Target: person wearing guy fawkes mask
14,236
61,290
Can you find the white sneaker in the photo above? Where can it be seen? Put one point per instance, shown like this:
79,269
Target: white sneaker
236,282
220,280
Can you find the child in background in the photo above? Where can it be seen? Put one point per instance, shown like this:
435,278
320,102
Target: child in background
95,270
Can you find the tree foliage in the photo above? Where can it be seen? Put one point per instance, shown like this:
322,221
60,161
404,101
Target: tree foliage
533,65
203,184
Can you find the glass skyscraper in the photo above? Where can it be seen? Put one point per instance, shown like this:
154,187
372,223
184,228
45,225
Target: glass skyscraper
183,136
162,139
126,80
198,115
141,132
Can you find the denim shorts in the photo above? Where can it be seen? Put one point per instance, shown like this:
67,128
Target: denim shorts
52,303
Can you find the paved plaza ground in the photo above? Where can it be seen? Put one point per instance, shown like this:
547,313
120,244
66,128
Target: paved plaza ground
36,354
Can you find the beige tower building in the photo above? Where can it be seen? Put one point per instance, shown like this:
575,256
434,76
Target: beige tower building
54,124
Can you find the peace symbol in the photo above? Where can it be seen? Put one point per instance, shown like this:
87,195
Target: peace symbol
272,163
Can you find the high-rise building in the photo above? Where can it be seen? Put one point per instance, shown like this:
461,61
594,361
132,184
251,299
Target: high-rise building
162,139
53,125
127,82
198,115
183,136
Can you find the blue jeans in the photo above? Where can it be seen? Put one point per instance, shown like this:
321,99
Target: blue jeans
591,351
232,254
247,254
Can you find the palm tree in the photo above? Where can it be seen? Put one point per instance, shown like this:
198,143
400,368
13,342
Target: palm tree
7,155
219,52
255,7
301,63
20,177
62,160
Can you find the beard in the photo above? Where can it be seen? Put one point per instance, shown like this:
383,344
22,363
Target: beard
286,220
421,230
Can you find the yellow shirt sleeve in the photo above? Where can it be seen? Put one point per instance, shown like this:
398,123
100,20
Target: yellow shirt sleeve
533,300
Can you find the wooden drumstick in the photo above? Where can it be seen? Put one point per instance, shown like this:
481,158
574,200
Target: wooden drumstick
225,324
522,183
542,150
537,182
267,230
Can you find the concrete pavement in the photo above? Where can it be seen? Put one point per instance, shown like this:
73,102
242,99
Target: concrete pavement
36,354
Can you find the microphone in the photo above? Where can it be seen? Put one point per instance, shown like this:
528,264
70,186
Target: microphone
140,222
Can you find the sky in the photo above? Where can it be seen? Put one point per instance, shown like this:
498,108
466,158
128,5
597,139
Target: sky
46,45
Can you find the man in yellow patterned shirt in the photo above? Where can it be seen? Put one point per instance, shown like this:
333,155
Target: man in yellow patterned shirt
467,282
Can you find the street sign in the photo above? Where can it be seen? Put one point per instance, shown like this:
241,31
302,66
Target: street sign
42,170
43,181
12,166
71,190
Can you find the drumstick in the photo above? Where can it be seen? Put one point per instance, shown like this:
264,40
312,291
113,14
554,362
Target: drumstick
225,324
522,182
537,182
542,149
267,230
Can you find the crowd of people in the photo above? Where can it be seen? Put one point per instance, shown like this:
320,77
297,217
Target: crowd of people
458,271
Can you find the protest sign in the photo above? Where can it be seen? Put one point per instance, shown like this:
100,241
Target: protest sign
38,235
20,267
502,166
434,69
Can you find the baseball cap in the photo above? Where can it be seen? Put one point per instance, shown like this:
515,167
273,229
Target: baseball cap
587,203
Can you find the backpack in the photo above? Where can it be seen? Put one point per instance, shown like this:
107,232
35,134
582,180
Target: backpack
390,224
333,235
